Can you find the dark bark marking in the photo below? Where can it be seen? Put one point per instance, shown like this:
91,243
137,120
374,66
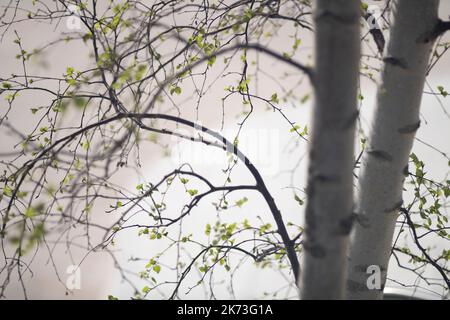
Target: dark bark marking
406,171
348,124
310,221
381,155
410,128
395,208
398,62
378,37
346,224
439,29
376,33
326,178
316,250
361,220
327,14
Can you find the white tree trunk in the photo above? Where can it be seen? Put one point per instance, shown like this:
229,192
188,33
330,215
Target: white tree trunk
330,189
395,122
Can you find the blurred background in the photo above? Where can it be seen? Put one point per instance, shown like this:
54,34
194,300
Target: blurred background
65,269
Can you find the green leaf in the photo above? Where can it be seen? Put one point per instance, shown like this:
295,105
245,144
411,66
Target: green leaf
115,22
146,289
150,263
248,14
30,212
86,145
175,89
141,69
7,191
69,71
274,98
192,192
304,132
71,82
208,229
442,91
243,85
241,202
446,191
295,128
305,98
199,40
286,55
211,61
296,44
297,198
157,268
79,102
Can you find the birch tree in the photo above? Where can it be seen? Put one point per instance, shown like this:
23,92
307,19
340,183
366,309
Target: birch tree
89,105
330,175
385,161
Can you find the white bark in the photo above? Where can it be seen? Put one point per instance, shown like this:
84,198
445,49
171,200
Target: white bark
330,200
395,122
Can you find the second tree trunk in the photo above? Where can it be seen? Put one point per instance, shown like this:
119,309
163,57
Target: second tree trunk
384,163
